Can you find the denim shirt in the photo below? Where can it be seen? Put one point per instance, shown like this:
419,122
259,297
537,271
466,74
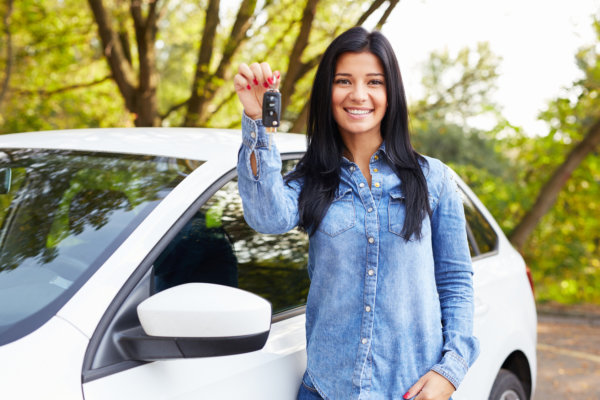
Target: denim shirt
381,311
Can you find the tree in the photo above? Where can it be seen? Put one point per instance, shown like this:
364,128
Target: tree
572,119
297,36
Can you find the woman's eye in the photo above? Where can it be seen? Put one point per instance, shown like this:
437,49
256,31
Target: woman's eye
342,82
376,82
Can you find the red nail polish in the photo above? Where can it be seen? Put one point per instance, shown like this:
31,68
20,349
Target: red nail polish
277,74
270,80
266,85
407,395
249,87
255,81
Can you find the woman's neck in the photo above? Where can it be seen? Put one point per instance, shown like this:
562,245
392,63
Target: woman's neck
359,149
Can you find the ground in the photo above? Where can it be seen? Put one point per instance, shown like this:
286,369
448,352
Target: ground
568,353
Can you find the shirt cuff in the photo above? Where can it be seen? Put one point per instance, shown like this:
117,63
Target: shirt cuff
452,367
254,134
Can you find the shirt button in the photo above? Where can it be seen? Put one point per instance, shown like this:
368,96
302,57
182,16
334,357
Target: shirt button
370,209
370,272
375,170
376,184
362,185
352,168
367,308
253,134
376,157
364,341
371,240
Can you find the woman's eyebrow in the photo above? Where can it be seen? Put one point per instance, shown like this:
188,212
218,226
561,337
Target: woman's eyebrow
369,74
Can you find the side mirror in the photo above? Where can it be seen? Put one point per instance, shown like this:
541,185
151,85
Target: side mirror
198,320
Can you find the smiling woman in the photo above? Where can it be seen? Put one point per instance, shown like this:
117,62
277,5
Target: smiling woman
388,255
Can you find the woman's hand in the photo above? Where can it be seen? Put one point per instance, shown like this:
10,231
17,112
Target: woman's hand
251,82
431,386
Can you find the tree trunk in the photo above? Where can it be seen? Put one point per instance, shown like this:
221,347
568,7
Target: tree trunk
146,107
138,92
206,83
549,192
295,65
8,67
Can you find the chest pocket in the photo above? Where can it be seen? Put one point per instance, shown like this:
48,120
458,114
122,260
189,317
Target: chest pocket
341,215
397,216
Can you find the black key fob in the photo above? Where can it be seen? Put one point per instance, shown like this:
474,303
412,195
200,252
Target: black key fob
271,108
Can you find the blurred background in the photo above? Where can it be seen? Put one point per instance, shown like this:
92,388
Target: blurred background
504,92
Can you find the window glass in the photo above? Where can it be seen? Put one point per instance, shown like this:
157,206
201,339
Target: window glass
62,213
217,246
479,229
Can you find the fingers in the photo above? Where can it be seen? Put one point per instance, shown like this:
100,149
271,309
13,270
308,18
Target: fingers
415,389
256,75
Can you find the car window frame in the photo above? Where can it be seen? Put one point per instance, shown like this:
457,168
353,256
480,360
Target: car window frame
142,271
471,236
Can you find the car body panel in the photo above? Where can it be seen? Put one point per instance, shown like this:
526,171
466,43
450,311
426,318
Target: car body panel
46,364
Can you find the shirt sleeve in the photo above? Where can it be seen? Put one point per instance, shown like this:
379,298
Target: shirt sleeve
270,204
454,279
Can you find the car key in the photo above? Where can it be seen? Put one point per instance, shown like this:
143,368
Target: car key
271,111
271,108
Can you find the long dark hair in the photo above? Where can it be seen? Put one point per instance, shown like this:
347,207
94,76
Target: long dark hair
321,165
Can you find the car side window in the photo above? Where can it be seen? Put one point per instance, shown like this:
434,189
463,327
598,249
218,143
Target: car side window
482,237
217,246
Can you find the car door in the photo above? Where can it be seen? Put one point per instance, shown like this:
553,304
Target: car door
213,244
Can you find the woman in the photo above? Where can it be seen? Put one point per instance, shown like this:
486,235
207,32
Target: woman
389,313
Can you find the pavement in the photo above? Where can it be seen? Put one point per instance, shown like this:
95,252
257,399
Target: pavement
568,353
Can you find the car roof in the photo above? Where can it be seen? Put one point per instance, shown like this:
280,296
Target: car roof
190,143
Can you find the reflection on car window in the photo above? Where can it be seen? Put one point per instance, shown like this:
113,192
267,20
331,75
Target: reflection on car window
217,246
478,229
62,213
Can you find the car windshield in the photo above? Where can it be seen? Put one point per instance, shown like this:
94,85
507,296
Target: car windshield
62,213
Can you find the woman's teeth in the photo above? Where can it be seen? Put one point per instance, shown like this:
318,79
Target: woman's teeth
358,112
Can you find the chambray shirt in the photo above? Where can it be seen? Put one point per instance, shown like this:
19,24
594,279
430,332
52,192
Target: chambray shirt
381,311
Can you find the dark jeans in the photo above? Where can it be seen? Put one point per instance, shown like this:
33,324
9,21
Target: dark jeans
308,393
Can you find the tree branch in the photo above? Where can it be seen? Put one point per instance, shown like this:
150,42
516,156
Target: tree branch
374,6
9,56
550,191
43,92
211,21
173,109
122,72
386,14
292,75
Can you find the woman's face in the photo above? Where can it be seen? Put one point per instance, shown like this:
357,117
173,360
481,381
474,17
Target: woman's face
358,96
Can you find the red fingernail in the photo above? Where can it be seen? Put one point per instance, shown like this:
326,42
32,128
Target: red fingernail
249,87
255,81
270,80
277,74
407,395
266,85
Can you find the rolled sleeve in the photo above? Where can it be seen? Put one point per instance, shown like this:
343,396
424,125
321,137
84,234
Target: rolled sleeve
270,205
454,280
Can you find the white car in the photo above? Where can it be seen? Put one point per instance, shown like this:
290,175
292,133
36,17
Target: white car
127,272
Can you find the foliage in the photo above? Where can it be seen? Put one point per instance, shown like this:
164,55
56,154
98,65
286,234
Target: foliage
58,77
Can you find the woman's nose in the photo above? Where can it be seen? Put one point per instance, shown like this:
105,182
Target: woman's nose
359,93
